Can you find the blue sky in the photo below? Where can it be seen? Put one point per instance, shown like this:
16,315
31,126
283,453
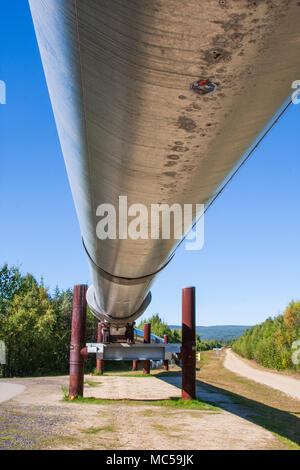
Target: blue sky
249,267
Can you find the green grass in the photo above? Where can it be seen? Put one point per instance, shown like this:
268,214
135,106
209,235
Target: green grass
160,427
128,374
92,383
115,366
147,412
280,424
168,403
125,374
203,358
96,430
275,427
153,373
65,392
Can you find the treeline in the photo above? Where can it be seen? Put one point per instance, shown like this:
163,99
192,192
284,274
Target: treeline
271,343
206,345
36,326
160,328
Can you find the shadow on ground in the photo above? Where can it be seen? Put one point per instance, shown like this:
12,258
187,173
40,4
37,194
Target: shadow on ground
283,423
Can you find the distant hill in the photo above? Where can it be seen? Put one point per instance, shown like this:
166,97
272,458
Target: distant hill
219,332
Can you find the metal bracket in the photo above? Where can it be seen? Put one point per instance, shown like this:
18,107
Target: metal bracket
134,352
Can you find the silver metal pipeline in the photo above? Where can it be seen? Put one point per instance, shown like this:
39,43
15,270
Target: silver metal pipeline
119,74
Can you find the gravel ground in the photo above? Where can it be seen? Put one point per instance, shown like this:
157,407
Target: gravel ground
30,428
39,419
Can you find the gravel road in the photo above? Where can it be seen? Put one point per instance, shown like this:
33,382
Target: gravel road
10,390
239,366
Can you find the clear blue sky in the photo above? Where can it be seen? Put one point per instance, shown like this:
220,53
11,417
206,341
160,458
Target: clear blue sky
249,267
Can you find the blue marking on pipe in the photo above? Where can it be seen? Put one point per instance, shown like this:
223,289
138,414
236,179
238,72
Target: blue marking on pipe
154,338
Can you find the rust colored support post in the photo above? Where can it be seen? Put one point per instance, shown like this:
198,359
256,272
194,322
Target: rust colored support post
100,362
77,341
134,365
166,362
147,333
188,349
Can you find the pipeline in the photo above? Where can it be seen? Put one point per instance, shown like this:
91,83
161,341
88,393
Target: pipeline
156,101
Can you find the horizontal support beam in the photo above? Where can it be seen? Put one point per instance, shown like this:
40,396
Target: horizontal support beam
133,352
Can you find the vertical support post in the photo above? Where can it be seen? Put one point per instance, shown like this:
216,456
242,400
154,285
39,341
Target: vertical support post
134,365
166,362
77,341
147,333
188,349
99,362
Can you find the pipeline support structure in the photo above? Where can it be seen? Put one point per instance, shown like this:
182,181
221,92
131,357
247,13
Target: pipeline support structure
147,339
99,362
122,351
166,362
188,349
77,341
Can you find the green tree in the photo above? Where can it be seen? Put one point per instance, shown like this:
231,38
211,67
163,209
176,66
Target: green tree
60,345
36,327
160,328
62,304
270,343
27,330
10,281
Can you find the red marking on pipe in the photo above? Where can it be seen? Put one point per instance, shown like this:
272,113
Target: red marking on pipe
166,362
77,341
147,334
188,348
135,365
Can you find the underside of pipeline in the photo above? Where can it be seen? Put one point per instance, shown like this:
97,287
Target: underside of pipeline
120,74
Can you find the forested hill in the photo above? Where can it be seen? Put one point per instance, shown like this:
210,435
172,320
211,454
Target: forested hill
218,332
273,342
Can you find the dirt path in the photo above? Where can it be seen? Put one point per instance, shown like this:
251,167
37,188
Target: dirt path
9,390
38,418
283,383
